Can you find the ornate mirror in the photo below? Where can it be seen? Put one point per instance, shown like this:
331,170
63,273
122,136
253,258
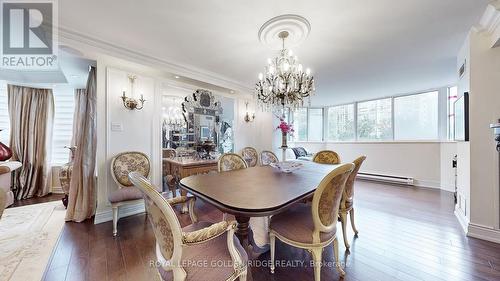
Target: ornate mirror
202,114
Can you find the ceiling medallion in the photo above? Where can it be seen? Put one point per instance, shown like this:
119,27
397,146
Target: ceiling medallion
285,84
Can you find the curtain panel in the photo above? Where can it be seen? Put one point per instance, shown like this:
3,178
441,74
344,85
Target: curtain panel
82,189
31,113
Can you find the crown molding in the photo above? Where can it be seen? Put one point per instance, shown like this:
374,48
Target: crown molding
490,23
74,39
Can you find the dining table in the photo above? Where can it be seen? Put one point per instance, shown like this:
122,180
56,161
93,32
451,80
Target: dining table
256,192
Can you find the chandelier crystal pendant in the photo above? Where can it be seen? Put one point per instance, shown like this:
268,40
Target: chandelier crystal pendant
285,84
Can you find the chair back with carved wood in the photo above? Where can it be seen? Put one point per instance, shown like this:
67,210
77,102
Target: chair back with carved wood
326,200
250,155
230,162
326,157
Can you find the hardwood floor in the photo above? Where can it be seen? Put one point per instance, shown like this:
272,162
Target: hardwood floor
405,233
36,200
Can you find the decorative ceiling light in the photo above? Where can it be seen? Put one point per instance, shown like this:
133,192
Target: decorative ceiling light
172,115
285,84
132,103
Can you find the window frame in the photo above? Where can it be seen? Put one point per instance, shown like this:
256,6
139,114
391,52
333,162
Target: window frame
392,139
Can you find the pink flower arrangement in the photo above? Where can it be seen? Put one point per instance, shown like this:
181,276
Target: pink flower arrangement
285,127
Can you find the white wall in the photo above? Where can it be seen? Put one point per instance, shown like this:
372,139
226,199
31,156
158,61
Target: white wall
139,129
478,179
484,110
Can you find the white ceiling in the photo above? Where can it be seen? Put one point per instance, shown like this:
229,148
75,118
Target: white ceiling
356,49
73,72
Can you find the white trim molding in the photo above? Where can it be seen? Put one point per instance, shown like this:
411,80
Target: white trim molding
463,220
484,233
490,23
124,211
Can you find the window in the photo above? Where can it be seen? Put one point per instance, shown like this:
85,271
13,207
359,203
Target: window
308,124
4,114
315,124
452,98
300,124
340,123
64,100
375,120
416,117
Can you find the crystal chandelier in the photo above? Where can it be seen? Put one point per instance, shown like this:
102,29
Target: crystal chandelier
285,84
172,116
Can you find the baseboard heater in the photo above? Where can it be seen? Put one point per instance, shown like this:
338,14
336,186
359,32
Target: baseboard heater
386,178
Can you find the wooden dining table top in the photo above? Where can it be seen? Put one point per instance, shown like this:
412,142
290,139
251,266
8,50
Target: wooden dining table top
257,191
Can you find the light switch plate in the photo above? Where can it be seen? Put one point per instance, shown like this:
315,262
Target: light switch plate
116,127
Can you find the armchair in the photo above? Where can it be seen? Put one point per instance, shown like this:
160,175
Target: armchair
126,194
231,161
250,155
313,227
301,153
6,169
3,201
346,203
169,179
326,157
268,157
180,251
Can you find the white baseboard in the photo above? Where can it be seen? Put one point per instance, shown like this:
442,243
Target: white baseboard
484,233
124,211
464,221
426,183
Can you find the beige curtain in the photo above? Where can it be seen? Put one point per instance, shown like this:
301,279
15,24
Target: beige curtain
31,113
82,198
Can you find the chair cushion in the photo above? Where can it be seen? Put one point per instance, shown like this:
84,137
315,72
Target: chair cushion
297,225
209,261
124,194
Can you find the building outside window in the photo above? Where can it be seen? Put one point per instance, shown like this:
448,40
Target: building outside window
416,117
375,120
340,123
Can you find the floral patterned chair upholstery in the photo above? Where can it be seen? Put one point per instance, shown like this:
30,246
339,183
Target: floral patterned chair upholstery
268,157
126,194
313,227
346,203
3,201
250,155
326,157
230,162
180,251
169,179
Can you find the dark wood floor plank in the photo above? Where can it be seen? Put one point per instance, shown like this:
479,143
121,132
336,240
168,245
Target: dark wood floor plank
406,233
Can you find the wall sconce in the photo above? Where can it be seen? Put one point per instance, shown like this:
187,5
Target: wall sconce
131,103
248,118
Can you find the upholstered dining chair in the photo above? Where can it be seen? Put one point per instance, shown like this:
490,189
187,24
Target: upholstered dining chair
169,179
250,155
346,203
3,201
313,227
267,157
126,194
326,157
181,251
230,162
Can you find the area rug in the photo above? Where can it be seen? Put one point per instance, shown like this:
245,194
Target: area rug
27,236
